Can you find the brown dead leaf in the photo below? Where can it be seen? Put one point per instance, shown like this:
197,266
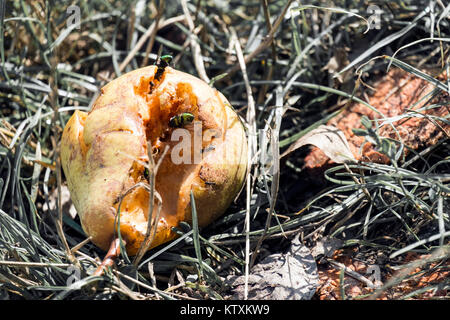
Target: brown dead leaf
329,139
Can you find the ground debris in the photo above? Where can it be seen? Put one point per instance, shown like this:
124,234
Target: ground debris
430,279
290,276
66,202
326,247
396,94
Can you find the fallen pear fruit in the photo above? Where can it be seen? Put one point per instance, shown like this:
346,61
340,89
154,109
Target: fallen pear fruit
189,129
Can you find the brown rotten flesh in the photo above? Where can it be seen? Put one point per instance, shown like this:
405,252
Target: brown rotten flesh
105,156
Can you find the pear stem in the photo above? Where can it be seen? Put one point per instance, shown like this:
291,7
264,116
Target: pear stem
111,255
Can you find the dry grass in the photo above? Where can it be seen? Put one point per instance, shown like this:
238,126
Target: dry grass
283,83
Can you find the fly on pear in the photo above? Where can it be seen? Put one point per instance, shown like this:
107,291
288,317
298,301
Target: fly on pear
180,120
164,61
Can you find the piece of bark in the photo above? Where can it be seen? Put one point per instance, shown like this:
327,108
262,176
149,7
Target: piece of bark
396,92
